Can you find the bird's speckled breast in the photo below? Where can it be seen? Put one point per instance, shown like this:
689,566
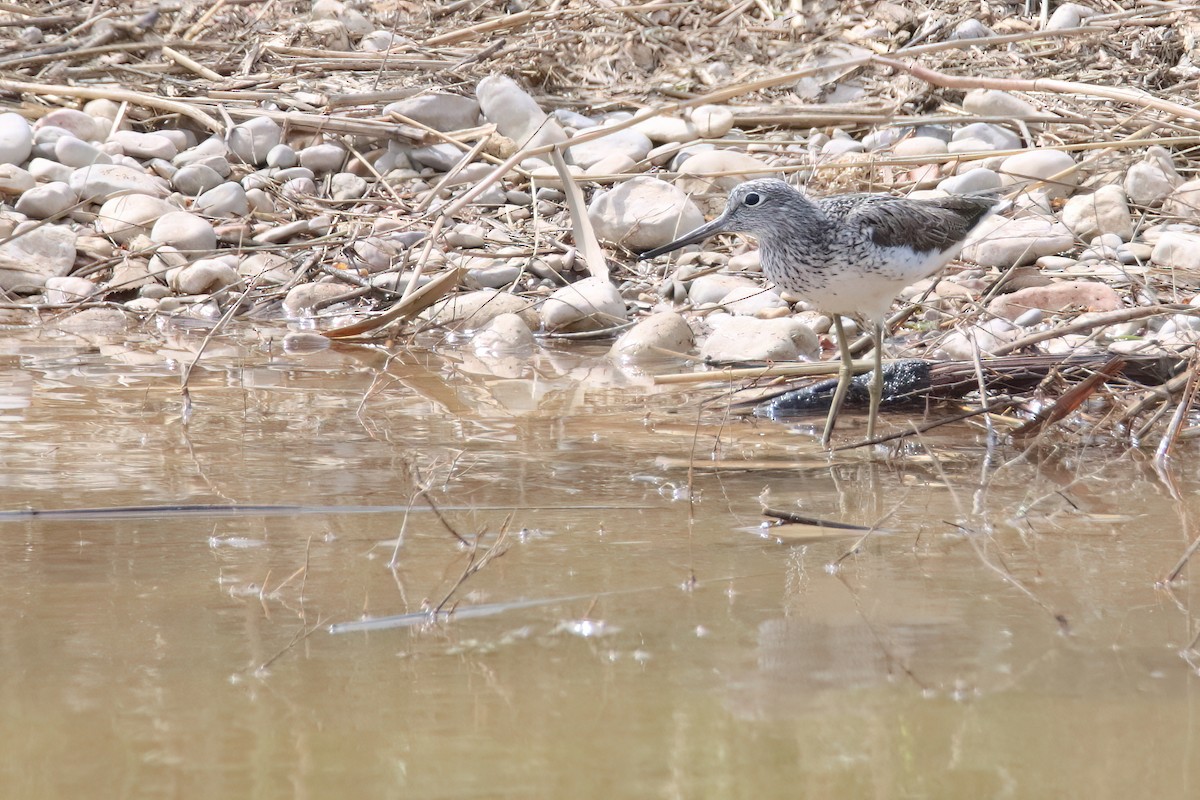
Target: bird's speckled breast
839,270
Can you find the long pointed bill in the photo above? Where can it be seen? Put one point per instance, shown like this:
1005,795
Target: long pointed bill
698,235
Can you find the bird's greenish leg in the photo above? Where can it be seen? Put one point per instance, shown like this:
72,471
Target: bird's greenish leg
845,374
876,381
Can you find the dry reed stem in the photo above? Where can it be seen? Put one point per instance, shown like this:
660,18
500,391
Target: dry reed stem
112,93
581,223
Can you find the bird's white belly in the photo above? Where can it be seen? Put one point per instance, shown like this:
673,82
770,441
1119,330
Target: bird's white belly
866,286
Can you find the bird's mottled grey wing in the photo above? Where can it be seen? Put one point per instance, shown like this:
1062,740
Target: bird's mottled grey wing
923,225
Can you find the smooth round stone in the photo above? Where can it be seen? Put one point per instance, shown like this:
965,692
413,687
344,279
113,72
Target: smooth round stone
16,138
438,110
441,157
977,180
184,231
573,119
288,174
212,147
1148,184
1033,316
658,336
141,305
80,124
1068,15
475,310
45,170
260,201
632,144
347,186
378,41
1178,250
1135,252
1184,201
969,146
507,333
182,139
204,276
643,213
917,146
253,139
297,188
970,29
1090,295
879,139
589,304
49,134
67,289
616,164
840,146
321,224
45,201
227,200
126,161
719,171
103,129
102,107
99,182
133,273
303,298
752,339
266,268
195,179
1056,263
662,129
1105,210
675,154
162,168
997,137
466,237
77,153
122,218
166,258
996,103
323,158
712,122
750,261
715,287
283,233
218,164
496,275
491,196
986,338
752,302
14,180
282,156
144,145
1002,242
942,132
41,251
353,21
1039,165
515,113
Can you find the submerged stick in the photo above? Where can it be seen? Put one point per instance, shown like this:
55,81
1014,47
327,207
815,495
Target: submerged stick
408,307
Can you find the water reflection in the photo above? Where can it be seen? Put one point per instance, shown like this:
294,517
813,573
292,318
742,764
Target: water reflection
635,643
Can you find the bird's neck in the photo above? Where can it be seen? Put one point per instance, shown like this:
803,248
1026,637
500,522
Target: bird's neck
800,219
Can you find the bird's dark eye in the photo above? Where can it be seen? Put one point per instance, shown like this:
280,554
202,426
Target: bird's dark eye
753,199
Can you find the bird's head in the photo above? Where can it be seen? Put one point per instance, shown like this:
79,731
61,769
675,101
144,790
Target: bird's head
755,207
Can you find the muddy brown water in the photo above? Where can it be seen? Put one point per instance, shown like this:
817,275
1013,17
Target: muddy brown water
1003,636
